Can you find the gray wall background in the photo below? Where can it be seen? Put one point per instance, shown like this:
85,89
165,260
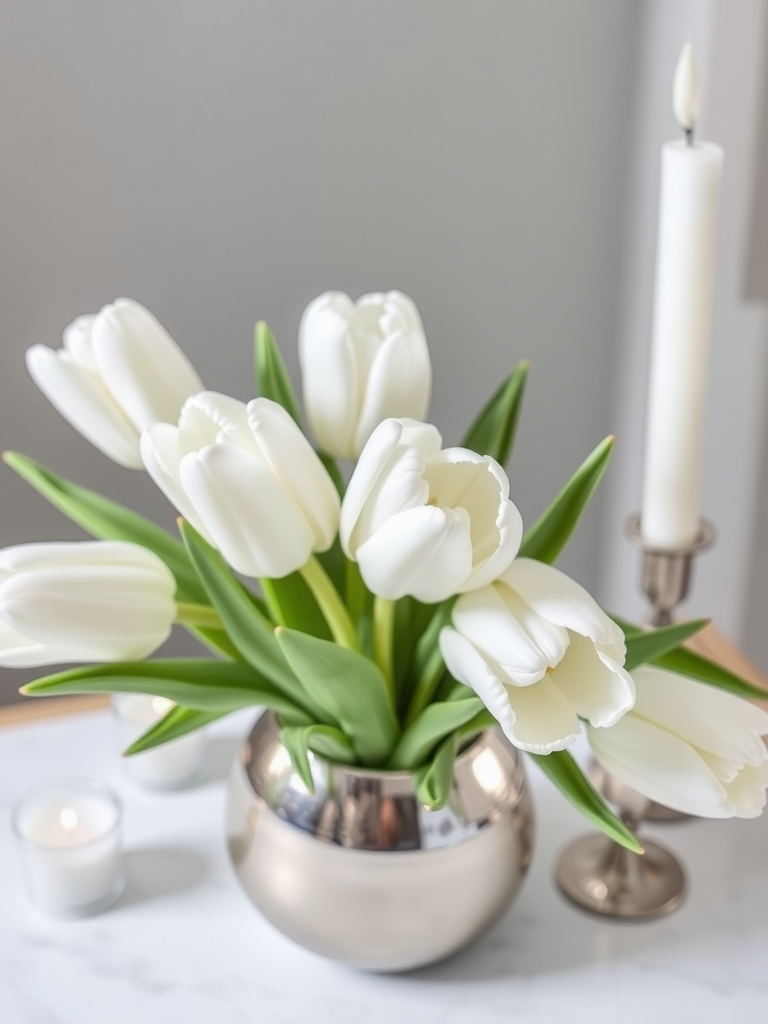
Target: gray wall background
227,161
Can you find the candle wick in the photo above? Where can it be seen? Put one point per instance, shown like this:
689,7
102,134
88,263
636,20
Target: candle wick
688,135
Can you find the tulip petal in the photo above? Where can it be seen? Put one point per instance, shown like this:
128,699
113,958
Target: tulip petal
468,666
460,478
707,718
399,384
520,644
141,365
661,766
596,687
161,453
77,342
290,456
544,719
205,417
104,612
424,552
50,555
79,395
370,469
18,651
534,718
331,384
747,791
251,518
399,312
560,599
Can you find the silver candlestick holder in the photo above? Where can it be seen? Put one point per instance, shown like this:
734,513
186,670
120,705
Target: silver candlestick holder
593,871
666,575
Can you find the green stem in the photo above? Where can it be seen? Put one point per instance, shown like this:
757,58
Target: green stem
330,604
271,601
356,590
383,641
198,615
426,686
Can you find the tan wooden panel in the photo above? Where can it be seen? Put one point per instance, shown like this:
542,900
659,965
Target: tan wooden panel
37,708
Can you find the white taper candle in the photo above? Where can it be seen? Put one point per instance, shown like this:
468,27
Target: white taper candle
685,265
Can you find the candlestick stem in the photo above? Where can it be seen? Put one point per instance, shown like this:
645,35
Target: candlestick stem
666,574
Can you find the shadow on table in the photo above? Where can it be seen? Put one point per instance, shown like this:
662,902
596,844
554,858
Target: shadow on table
161,871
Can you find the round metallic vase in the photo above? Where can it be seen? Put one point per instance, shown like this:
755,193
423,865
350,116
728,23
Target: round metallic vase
360,871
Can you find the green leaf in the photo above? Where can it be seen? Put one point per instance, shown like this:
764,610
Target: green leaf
493,432
217,641
427,667
325,740
350,688
108,520
293,604
251,633
412,619
196,683
433,782
431,727
688,663
296,742
272,378
695,666
648,644
552,530
562,770
177,722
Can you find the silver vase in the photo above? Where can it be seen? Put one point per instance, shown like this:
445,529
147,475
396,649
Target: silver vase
359,870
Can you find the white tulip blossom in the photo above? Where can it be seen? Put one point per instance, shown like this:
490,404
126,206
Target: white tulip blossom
690,747
118,372
247,479
361,362
82,601
427,521
541,654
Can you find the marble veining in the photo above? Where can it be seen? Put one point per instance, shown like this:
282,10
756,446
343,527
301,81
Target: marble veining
184,946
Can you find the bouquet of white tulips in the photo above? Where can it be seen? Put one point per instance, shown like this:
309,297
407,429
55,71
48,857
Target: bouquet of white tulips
392,619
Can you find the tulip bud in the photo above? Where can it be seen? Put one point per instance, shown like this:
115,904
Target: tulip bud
247,479
82,601
361,362
425,521
688,746
118,372
540,653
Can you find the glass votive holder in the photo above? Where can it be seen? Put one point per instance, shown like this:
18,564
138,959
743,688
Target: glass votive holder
172,765
68,834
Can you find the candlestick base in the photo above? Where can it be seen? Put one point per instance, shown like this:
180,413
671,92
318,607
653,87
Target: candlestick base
600,876
604,878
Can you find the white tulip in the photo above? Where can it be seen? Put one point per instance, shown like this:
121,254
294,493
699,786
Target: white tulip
427,521
247,479
361,362
689,746
541,654
82,601
118,372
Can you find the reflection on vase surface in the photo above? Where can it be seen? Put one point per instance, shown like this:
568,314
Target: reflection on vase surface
359,870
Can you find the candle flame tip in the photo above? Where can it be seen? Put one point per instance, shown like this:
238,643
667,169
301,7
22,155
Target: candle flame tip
685,91
68,818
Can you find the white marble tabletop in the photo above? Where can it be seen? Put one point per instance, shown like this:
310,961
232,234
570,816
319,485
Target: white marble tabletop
184,946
